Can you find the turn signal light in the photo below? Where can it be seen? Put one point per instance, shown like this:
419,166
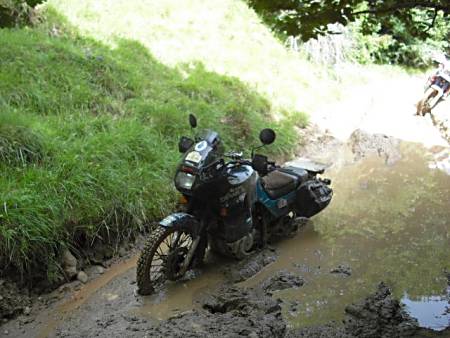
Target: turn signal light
223,212
183,199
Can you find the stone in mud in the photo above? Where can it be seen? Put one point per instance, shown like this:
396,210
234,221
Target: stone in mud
379,315
27,310
99,269
363,143
282,280
69,263
342,269
82,277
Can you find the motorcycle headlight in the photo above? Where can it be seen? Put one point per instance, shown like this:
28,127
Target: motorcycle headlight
184,180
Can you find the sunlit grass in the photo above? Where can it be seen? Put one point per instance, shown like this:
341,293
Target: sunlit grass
88,139
91,109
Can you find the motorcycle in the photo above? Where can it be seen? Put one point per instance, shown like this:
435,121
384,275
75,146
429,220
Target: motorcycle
232,206
436,88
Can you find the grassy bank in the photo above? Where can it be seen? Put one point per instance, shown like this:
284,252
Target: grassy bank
94,98
88,138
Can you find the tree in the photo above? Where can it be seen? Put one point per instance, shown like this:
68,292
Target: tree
13,12
309,18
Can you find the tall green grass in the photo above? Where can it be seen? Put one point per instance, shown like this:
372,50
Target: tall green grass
88,139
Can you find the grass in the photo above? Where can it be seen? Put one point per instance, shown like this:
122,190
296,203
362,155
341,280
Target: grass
226,36
94,98
88,139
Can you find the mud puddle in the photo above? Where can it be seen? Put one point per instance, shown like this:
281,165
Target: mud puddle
179,297
387,221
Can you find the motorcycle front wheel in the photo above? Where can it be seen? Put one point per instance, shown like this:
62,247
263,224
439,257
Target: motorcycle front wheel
423,105
163,256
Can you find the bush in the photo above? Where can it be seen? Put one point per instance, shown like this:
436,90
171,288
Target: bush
15,12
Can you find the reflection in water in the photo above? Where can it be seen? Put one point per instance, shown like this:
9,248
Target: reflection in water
389,223
431,312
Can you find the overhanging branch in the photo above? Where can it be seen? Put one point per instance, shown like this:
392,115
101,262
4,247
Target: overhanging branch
413,4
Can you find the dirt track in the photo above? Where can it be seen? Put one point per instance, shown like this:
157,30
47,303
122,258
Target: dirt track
107,306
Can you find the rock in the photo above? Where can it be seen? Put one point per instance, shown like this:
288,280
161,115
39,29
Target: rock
379,315
363,143
26,310
99,269
122,252
69,263
82,277
282,280
342,269
6,332
71,271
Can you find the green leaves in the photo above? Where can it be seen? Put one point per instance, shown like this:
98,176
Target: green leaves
14,12
411,26
309,18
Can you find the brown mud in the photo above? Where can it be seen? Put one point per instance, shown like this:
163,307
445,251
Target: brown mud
300,287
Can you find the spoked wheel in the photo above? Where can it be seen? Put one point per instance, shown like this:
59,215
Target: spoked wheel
162,257
423,106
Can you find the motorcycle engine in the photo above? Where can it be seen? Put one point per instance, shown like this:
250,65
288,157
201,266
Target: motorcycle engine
238,249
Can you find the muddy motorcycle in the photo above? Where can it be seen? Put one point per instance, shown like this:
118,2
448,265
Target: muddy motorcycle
437,88
230,204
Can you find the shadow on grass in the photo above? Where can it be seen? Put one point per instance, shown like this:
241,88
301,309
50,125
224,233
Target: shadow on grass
88,140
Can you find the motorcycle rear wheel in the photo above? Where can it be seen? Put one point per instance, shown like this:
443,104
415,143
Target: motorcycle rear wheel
162,257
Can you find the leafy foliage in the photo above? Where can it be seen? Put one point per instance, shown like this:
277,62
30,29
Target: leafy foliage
399,32
13,12
308,18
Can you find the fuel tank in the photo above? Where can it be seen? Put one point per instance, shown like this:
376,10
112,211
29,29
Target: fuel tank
236,204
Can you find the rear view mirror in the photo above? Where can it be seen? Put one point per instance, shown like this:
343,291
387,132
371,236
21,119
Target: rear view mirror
185,144
192,120
267,136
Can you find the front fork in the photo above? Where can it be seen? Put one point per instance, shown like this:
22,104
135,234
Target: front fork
191,253
188,259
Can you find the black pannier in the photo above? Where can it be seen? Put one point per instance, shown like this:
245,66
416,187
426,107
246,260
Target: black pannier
312,197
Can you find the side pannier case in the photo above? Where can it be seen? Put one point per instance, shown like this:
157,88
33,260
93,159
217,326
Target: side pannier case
312,197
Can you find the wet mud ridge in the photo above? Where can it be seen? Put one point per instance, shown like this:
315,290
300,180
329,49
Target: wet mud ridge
254,312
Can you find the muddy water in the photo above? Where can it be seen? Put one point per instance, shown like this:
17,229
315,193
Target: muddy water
386,223
181,296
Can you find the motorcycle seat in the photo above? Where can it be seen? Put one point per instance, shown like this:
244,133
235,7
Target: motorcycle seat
278,183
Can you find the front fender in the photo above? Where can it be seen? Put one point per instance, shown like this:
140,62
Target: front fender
181,219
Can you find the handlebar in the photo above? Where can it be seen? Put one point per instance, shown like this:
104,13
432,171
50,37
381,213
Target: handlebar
234,155
219,167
